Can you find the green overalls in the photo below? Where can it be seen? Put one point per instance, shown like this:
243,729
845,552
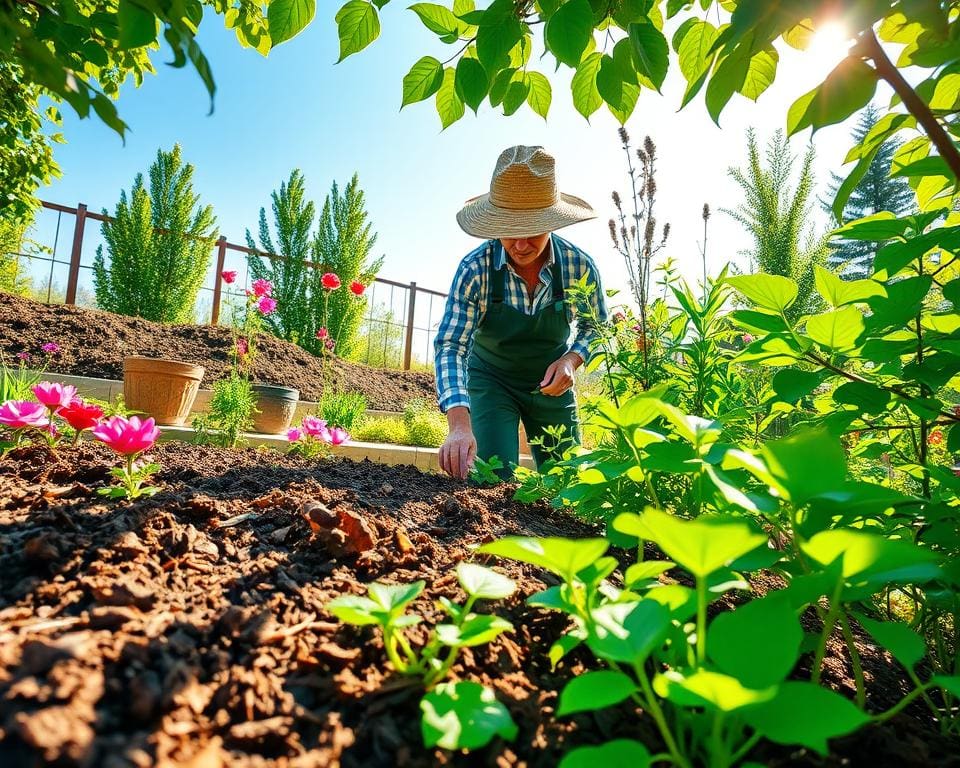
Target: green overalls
511,352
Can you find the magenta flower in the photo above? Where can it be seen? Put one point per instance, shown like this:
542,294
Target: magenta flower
322,333
338,435
747,338
294,434
127,436
266,305
262,288
22,414
51,348
23,357
229,275
53,394
314,426
619,317
243,347
329,344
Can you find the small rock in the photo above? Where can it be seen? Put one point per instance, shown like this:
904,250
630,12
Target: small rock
341,531
402,541
386,489
44,547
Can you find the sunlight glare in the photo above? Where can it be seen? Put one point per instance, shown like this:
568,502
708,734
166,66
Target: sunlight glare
830,43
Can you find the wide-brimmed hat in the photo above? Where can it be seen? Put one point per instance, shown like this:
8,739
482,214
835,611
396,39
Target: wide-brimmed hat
523,200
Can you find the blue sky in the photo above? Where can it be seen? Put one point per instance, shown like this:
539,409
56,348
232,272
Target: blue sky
295,109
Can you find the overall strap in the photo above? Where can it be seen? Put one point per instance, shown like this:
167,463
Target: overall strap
556,279
497,280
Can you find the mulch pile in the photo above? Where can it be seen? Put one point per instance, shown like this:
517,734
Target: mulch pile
189,629
94,343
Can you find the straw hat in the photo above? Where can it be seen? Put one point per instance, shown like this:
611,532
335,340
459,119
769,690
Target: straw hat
523,200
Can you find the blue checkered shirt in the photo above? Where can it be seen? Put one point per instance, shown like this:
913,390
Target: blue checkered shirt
469,297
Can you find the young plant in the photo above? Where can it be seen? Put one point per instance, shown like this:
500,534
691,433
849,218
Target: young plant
446,707
231,410
130,438
20,417
343,409
313,438
484,472
81,416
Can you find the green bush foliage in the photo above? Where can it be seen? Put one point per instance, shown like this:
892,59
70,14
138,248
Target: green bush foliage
342,409
160,246
425,425
390,430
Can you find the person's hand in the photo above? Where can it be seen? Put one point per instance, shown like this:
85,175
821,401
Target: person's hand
458,452
558,377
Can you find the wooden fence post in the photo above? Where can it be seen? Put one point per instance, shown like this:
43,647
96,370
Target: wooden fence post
73,276
218,279
408,341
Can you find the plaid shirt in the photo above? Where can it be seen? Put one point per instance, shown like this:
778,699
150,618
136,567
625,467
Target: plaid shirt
469,297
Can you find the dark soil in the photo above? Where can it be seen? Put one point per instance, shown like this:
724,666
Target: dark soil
189,629
94,343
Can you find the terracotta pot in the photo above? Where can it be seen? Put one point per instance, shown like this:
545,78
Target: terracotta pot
277,406
163,389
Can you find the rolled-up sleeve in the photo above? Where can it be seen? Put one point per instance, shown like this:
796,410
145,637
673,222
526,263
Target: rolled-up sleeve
455,336
590,315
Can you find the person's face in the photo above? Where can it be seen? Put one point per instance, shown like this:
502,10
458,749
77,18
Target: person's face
524,251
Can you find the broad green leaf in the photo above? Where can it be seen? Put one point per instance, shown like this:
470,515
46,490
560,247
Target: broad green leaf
788,461
137,25
484,583
439,19
704,688
775,350
791,384
516,94
727,79
477,629
847,89
357,23
562,646
621,752
496,40
539,93
867,397
595,690
393,597
693,48
354,609
628,632
498,89
681,601
564,557
471,82
449,105
769,628
464,715
825,715
838,292
906,645
650,52
586,97
702,545
569,30
648,569
761,72
949,684
878,226
771,292
837,330
757,320
422,81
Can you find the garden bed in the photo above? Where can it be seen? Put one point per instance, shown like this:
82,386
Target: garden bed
94,343
189,628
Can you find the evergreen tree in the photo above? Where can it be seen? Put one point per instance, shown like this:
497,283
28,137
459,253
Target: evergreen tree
876,192
777,216
160,246
343,244
293,217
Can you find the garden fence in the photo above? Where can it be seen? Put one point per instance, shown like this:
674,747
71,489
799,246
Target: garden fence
397,330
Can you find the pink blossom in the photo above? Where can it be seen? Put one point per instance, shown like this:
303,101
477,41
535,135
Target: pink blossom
243,347
127,436
330,281
322,333
262,288
20,414
338,435
23,357
330,344
266,305
619,317
229,275
357,288
51,348
747,338
53,394
313,426
294,434
81,415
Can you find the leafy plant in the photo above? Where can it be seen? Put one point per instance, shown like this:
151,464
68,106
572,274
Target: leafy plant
160,244
342,409
389,430
230,412
485,471
425,424
456,715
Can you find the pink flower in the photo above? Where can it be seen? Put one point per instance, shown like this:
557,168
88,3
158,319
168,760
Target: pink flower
294,434
357,288
266,305
338,435
229,275
619,317
747,338
23,357
322,333
314,426
81,415
330,281
330,344
243,347
262,287
127,436
20,414
53,394
51,348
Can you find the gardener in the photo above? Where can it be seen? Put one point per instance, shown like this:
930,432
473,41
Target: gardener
503,348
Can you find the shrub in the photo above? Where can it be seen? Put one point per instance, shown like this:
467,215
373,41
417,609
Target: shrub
342,409
425,425
382,431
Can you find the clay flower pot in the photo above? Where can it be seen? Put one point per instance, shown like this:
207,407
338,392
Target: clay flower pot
163,389
277,406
